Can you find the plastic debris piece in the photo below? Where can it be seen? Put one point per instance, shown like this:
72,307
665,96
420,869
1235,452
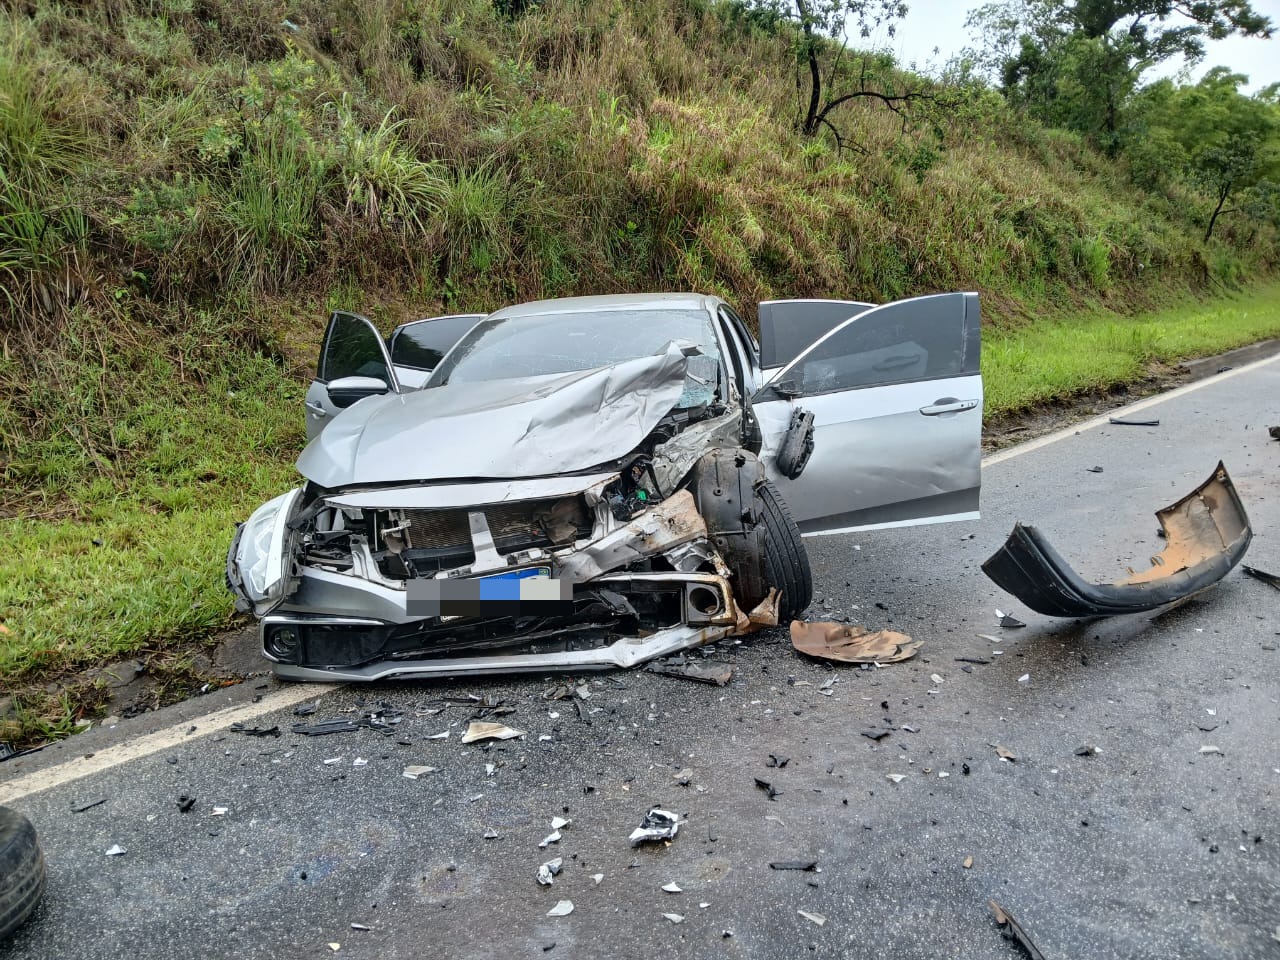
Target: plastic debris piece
492,834
596,878
876,735
331,761
559,823
1262,575
683,777
1086,750
116,851
674,917
255,731
1007,621
978,660
185,803
1013,930
485,730
1094,469
444,735
967,863
807,865
777,761
817,918
415,771
1274,433
549,870
672,887
705,671
851,644
1024,678
81,808
335,947
658,824
549,839
1131,422
768,788
360,926
895,777
325,727
306,709
219,811
359,762
1209,748
561,909
1004,753
936,678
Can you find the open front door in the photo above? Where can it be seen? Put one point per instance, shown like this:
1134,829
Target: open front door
896,394
354,364
788,327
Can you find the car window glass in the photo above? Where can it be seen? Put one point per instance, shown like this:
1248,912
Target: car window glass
912,340
422,345
353,349
547,344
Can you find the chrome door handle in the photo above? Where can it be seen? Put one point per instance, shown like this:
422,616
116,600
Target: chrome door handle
314,408
948,406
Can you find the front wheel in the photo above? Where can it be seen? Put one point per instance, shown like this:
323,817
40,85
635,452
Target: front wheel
21,870
786,561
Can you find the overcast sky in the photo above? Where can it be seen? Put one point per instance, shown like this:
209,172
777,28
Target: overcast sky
939,24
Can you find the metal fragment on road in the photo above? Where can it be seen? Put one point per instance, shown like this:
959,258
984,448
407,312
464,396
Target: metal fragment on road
658,825
1262,575
817,918
851,644
360,926
1011,929
415,771
486,730
549,870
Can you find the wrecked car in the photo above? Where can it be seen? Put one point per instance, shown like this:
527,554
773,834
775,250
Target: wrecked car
598,481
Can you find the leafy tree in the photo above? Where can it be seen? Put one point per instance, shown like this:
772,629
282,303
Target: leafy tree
830,76
1075,63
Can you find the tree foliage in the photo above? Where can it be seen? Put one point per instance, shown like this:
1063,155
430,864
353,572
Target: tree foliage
1075,63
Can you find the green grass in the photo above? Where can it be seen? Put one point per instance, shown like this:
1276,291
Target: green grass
1052,361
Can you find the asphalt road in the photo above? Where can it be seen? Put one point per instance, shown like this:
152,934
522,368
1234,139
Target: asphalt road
1147,849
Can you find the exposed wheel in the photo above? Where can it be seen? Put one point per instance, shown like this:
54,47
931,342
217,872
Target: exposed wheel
750,525
22,872
785,558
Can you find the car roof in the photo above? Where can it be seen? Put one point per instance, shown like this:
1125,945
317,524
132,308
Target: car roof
614,301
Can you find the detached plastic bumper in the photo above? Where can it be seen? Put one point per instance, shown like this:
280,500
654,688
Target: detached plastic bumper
1206,534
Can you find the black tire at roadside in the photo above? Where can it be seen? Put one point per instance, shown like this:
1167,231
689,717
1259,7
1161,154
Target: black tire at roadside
786,560
22,870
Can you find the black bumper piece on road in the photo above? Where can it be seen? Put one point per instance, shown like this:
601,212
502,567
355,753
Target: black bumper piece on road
1206,534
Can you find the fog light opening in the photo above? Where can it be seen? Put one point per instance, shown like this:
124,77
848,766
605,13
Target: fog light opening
705,600
283,643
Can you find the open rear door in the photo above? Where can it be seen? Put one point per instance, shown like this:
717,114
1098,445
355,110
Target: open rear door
354,364
896,394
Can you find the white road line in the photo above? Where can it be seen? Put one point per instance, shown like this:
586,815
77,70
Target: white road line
1103,419
82,766
71,770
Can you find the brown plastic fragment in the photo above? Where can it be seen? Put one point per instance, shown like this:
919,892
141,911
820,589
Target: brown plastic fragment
1013,930
849,644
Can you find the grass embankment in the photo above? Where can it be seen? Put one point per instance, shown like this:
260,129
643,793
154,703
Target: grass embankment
185,187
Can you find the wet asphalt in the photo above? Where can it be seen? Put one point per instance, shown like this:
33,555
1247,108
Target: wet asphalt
1149,848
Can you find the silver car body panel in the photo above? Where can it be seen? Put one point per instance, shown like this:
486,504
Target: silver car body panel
500,428
444,496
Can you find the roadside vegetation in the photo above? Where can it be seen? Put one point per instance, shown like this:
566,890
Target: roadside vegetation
188,186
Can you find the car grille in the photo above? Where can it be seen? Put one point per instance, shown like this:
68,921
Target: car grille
513,526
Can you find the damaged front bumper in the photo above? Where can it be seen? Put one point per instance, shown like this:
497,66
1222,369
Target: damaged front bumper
1206,534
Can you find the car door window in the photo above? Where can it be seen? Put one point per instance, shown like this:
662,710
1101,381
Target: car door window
353,348
919,339
423,343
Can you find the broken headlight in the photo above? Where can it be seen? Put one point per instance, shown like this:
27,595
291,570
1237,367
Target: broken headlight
260,557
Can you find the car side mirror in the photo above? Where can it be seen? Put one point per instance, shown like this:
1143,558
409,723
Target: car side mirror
345,391
785,389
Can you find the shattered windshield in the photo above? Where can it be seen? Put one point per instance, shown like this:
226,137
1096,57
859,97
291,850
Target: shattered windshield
538,345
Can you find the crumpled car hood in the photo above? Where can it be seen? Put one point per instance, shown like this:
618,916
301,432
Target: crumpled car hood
499,429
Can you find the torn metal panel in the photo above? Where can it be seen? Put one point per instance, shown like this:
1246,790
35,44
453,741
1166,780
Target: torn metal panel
499,429
453,495
1206,534
672,522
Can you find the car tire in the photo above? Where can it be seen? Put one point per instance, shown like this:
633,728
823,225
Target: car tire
786,560
22,871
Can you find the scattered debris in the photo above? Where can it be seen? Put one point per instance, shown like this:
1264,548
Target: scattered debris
1024,678
444,735
1013,930
1130,422
936,678
117,851
1004,753
88,806
596,878
335,947
561,909
1209,748
1086,750
1008,621
325,727
415,771
777,761
549,839
1262,575
895,777
817,918
360,926
683,777
1274,433
484,730
1094,469
807,865
255,731
706,671
306,709
674,917
672,887
851,644
658,824
768,788
967,863
185,803
492,834
876,735
978,660
549,870
219,811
